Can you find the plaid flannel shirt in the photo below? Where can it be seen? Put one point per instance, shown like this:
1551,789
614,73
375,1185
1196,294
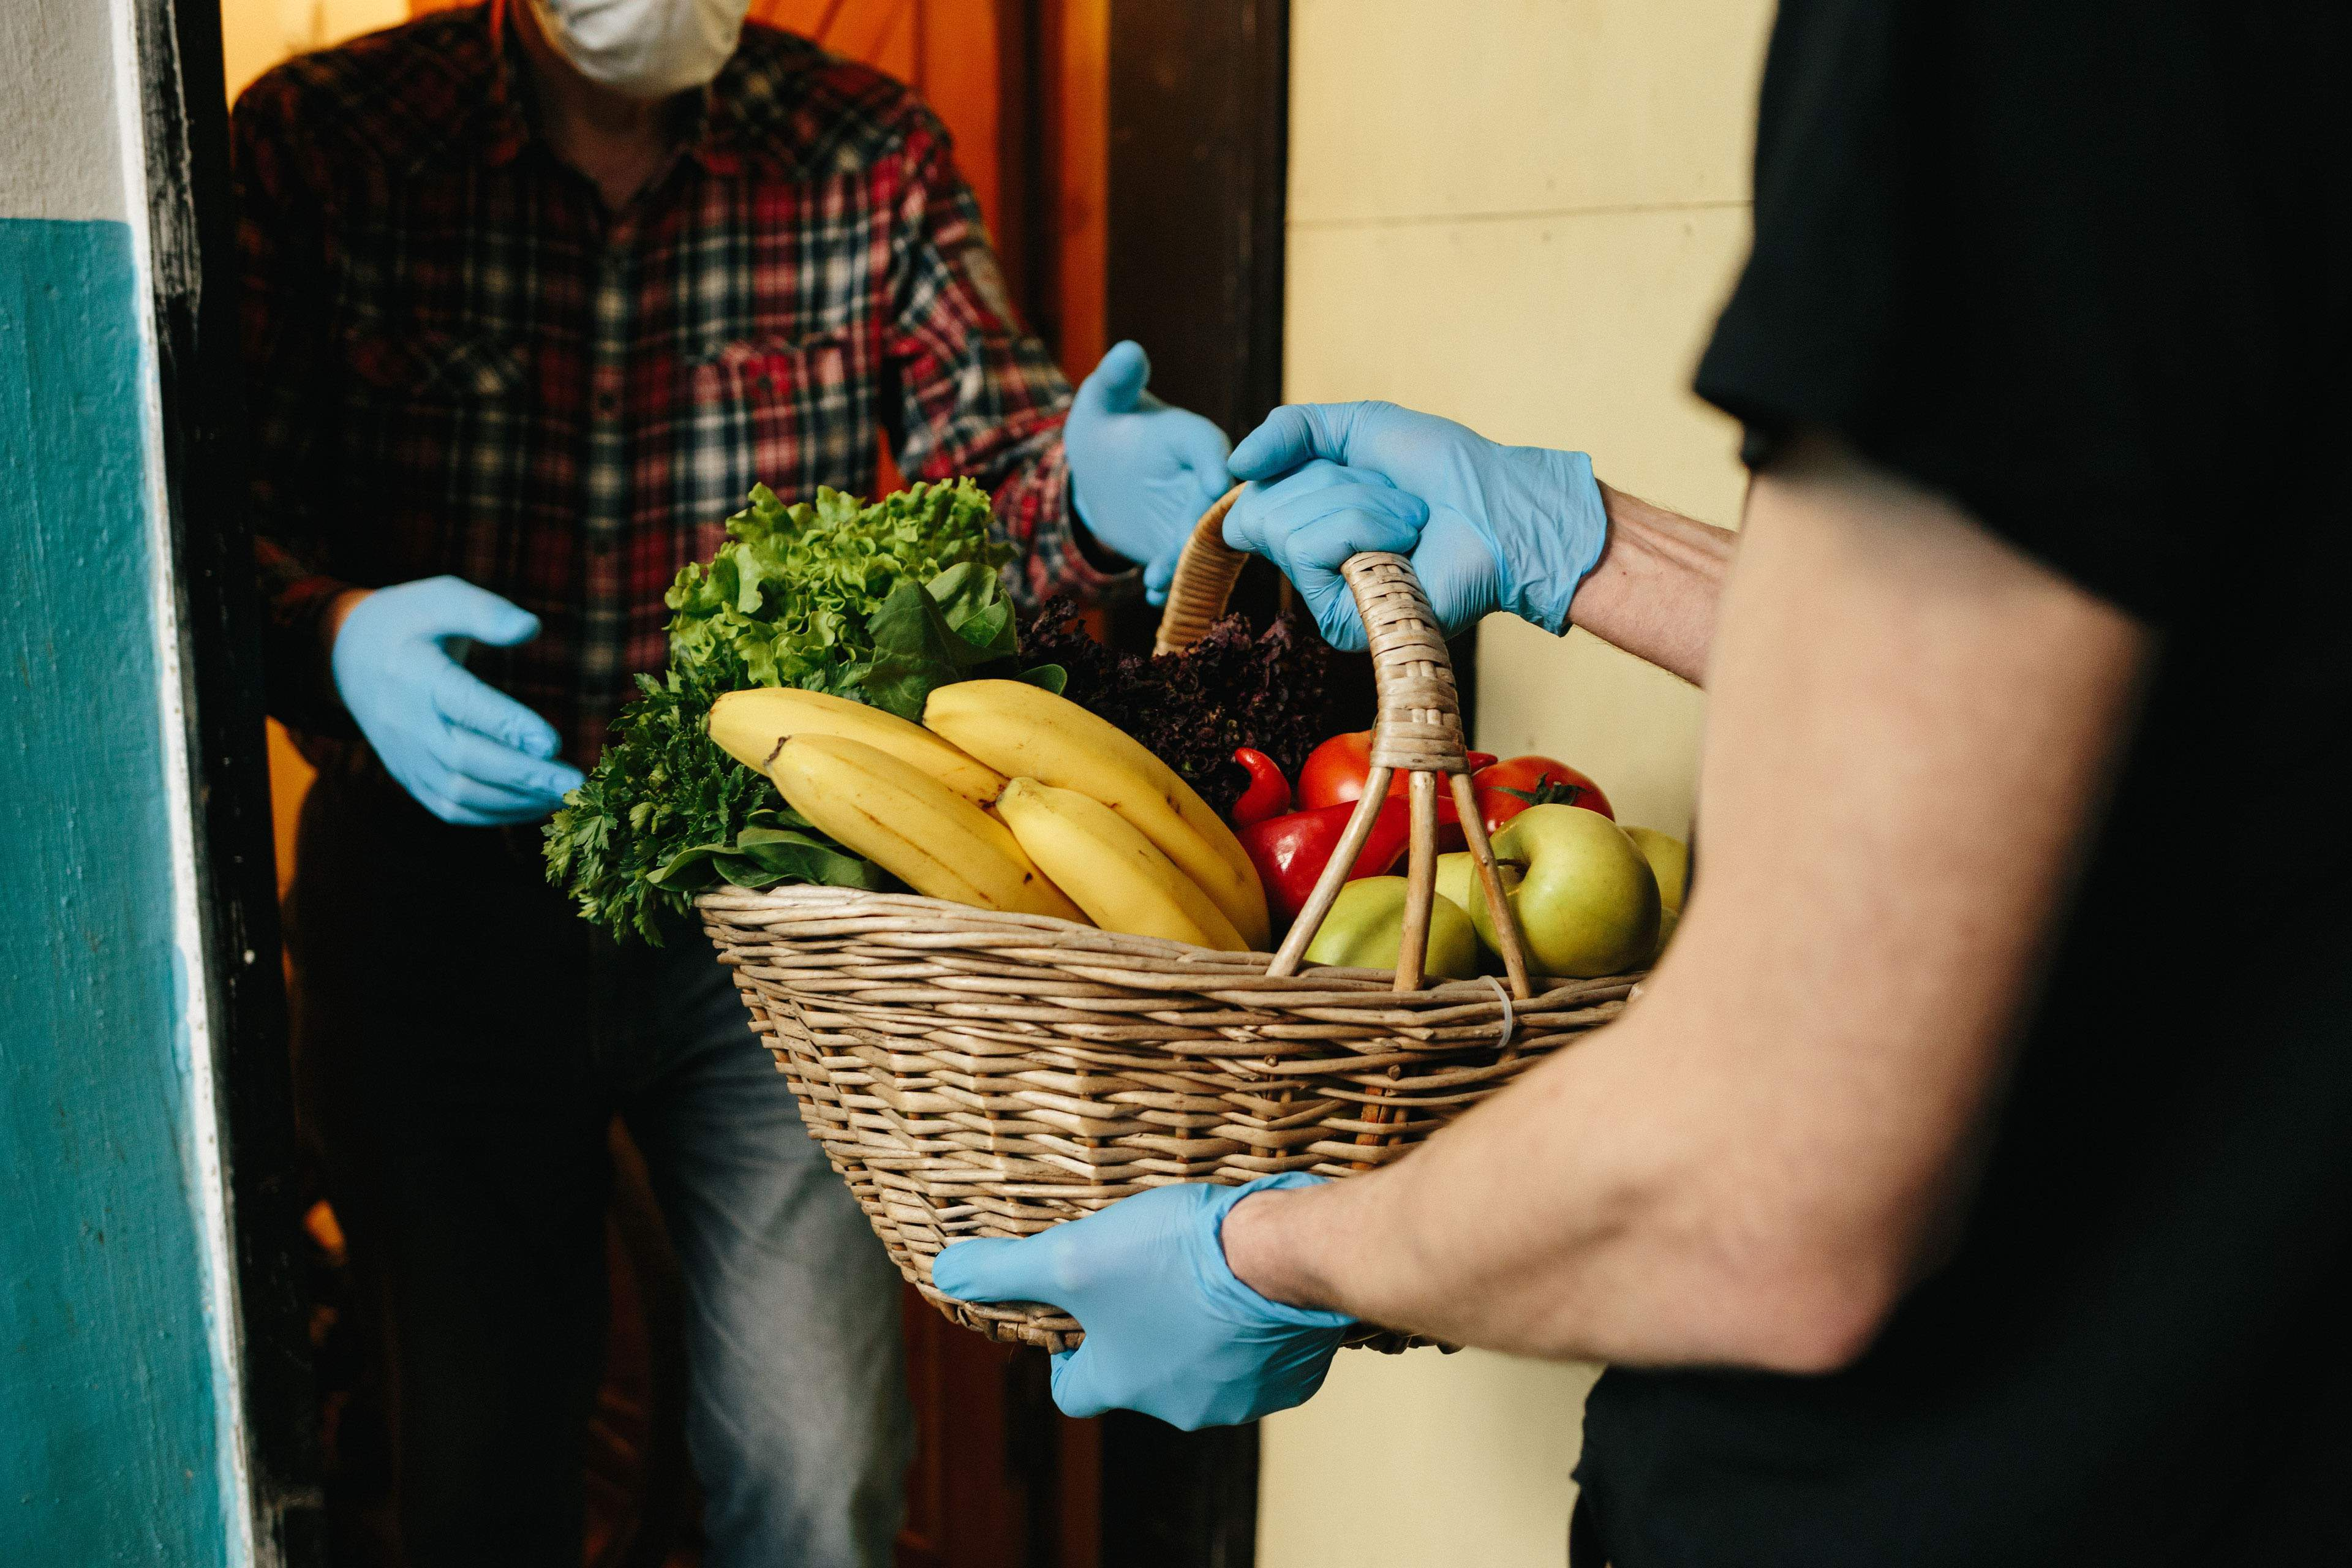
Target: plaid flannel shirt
458,361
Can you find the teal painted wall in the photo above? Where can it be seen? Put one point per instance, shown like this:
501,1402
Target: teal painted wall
109,1450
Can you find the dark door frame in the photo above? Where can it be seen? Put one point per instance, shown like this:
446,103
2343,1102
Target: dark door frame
1199,158
185,123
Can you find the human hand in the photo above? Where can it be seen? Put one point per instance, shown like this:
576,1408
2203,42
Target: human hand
468,753
1170,1330
1510,528
1142,473
1311,520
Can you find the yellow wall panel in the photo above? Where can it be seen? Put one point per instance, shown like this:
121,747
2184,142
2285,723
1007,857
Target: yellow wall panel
1426,1460
1566,332
1405,109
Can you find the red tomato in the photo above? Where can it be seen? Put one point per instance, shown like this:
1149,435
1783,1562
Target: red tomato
1333,774
1334,771
1515,784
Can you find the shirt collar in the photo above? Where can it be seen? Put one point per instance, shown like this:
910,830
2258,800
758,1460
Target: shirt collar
735,121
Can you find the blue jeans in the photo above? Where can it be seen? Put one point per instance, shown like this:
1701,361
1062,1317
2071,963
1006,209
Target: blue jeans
463,1040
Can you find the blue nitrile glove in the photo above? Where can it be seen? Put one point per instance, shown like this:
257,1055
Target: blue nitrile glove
1510,528
468,752
1142,473
1311,520
1170,1330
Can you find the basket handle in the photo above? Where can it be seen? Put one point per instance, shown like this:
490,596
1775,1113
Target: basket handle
1418,730
1205,574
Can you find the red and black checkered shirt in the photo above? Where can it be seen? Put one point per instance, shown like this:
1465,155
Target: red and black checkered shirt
458,361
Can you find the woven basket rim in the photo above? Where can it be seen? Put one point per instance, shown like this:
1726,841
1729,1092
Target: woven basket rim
1188,966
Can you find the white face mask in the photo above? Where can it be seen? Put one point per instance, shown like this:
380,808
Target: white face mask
644,49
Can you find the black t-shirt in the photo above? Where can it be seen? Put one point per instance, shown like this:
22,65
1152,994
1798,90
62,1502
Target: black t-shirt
2086,266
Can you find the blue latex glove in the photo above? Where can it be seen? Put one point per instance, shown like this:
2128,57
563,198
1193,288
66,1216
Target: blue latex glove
1142,473
1510,528
467,751
1313,519
1170,1330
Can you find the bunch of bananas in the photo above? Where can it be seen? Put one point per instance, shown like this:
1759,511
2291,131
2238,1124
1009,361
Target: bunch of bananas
1007,797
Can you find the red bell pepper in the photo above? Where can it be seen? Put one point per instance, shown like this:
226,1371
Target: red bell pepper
1291,852
1268,794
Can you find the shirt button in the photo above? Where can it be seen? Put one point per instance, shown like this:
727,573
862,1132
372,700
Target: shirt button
608,403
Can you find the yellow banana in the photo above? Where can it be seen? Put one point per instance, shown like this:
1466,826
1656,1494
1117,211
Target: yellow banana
912,825
1115,873
1024,731
749,725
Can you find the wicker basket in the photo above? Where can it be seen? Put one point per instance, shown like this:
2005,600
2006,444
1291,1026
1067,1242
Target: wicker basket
971,1073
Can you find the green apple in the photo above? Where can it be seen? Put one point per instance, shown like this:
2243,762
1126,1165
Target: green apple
1457,878
1587,899
1667,921
1365,929
1669,858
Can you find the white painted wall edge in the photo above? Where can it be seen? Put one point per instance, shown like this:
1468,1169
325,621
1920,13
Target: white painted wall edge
60,66
208,1180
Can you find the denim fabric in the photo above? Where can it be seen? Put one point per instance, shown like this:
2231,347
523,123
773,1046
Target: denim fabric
463,1040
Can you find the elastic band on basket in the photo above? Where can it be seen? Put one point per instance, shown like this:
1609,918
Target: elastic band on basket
1509,1019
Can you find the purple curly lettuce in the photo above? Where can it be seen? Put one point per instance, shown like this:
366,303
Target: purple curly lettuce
1233,688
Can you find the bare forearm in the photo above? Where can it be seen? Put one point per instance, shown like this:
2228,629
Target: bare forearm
1566,1219
1657,588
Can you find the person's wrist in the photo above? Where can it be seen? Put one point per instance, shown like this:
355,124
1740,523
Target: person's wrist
1258,1238
1578,515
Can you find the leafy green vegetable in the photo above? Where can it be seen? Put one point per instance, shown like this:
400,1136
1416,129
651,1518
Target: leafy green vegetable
972,601
660,788
877,602
764,855
928,634
790,597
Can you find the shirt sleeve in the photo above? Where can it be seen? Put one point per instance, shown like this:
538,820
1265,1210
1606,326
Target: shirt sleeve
2017,252
283,326
973,392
